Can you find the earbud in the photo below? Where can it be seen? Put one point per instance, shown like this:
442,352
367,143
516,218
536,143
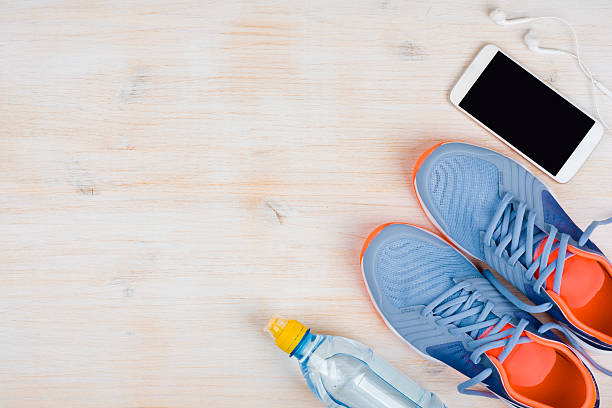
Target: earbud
532,40
499,17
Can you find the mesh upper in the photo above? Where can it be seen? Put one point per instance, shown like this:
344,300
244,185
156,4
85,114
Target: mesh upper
413,272
465,191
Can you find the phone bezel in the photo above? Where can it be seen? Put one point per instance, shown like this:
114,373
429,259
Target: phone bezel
578,156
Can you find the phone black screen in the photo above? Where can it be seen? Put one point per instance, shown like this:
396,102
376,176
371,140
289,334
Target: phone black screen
526,113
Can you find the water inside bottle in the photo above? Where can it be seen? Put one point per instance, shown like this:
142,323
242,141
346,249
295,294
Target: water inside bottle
351,381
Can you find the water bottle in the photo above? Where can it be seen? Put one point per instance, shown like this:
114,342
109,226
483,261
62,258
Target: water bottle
344,373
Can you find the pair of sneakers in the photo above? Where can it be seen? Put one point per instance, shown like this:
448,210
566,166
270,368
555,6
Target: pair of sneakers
427,292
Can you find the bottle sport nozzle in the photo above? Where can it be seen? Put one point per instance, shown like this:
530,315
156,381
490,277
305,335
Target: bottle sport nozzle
287,333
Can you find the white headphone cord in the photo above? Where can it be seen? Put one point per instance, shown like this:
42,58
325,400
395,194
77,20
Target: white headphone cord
585,70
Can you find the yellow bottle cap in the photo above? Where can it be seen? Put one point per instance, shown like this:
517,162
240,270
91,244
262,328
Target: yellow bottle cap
288,333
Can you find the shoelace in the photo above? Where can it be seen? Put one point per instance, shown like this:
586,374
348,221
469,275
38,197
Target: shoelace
452,310
510,227
467,303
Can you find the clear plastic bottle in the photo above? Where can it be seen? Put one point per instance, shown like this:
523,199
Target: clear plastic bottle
345,373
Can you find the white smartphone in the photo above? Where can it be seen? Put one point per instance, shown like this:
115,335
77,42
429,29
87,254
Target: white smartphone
526,114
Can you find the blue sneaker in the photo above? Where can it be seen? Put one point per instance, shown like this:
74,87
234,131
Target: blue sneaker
495,210
432,297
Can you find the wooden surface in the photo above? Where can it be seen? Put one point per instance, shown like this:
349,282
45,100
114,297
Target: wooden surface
173,173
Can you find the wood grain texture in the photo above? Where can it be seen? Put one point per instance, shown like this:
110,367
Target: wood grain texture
174,172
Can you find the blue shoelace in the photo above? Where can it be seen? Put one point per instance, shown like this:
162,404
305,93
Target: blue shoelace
466,311
515,237
510,227
459,303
